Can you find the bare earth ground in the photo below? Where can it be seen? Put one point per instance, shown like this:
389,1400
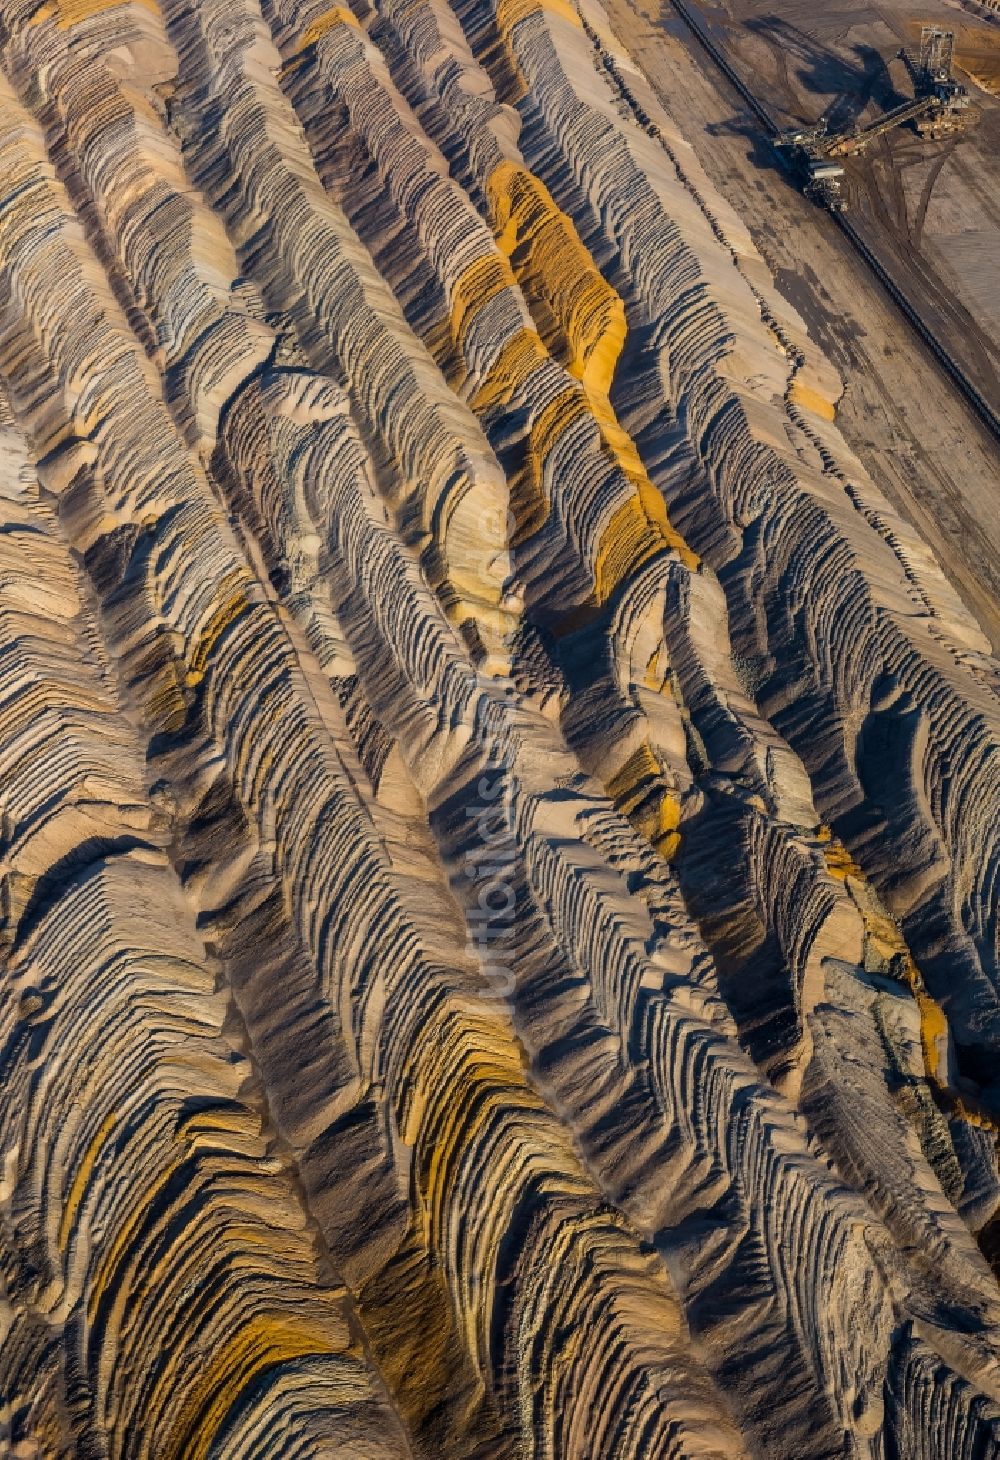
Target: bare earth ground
931,210
499,817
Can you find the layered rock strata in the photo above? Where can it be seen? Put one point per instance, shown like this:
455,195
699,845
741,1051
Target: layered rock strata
500,819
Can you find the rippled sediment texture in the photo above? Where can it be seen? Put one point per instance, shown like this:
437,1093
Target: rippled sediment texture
500,820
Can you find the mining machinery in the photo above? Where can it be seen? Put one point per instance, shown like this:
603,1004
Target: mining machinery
937,108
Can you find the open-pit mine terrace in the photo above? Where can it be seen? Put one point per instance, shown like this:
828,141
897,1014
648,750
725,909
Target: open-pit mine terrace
500,816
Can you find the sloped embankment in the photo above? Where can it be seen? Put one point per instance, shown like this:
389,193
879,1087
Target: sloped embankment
500,820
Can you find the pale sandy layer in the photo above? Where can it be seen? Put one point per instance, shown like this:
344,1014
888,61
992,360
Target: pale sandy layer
501,817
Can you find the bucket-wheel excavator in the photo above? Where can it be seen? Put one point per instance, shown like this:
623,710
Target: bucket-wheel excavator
938,107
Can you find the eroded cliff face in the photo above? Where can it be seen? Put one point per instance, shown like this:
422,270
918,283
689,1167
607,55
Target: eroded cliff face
500,820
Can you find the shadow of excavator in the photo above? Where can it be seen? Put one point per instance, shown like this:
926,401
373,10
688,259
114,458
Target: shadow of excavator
855,80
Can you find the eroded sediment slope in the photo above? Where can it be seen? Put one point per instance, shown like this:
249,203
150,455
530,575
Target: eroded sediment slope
500,820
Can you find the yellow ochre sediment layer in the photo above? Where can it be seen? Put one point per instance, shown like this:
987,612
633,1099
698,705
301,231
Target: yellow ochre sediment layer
580,316
431,1022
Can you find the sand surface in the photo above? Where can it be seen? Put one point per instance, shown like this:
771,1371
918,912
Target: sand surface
499,752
